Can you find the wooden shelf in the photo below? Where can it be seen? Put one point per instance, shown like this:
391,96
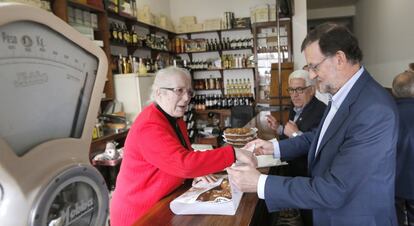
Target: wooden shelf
134,21
221,111
269,23
110,136
134,48
207,89
221,69
86,7
215,31
220,50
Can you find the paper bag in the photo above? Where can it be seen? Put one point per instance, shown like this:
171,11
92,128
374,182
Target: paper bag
187,203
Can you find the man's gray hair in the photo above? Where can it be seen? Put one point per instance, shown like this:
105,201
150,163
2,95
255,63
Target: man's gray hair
303,74
403,85
165,78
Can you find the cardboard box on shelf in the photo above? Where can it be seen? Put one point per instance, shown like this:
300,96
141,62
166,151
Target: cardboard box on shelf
187,20
262,13
86,31
94,20
243,22
212,24
86,18
146,9
78,16
272,12
163,21
253,15
194,27
181,28
71,15
146,17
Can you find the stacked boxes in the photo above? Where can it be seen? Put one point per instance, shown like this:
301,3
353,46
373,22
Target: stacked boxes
144,15
263,13
43,4
272,12
189,24
194,27
188,20
212,24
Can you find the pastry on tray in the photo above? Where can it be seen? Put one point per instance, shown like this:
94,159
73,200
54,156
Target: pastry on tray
221,191
239,136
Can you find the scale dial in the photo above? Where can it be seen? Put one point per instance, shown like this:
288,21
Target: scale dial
46,84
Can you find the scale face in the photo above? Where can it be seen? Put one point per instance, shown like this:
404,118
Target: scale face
51,82
46,84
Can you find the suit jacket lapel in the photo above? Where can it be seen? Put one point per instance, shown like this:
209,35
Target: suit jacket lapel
340,115
336,123
305,112
311,153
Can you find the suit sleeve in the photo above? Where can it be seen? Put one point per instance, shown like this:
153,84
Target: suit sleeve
368,142
161,147
297,146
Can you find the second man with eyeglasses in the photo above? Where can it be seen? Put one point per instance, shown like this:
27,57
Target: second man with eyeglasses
307,110
305,114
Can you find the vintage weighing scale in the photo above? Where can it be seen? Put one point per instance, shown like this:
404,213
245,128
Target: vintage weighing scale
51,82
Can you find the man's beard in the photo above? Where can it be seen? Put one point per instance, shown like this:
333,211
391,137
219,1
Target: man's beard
326,88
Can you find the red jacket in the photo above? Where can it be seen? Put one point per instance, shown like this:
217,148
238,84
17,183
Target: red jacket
155,163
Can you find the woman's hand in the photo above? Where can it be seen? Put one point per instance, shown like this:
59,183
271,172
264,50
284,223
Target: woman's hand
245,156
207,179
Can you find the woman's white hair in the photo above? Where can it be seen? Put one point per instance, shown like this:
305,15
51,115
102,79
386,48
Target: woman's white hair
165,78
303,74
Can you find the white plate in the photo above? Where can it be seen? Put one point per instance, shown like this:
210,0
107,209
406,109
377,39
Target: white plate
241,139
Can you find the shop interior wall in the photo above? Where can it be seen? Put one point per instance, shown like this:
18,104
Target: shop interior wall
210,9
335,12
386,36
157,6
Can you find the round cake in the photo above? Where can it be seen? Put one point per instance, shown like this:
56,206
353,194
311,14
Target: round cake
239,136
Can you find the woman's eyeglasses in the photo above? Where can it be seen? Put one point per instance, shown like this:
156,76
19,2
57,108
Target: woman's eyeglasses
180,91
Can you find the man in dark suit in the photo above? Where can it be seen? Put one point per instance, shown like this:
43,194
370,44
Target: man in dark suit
403,90
352,153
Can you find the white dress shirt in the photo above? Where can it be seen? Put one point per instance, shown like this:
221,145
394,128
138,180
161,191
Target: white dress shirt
337,100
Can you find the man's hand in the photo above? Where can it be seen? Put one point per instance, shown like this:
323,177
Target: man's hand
290,128
260,147
244,177
272,122
246,157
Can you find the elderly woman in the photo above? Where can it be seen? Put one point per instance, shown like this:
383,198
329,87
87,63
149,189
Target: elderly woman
158,154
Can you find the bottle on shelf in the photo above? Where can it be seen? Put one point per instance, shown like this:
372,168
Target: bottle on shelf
135,65
120,34
124,65
142,70
147,65
120,68
134,38
113,32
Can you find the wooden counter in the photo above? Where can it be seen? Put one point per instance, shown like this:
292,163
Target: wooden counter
161,215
